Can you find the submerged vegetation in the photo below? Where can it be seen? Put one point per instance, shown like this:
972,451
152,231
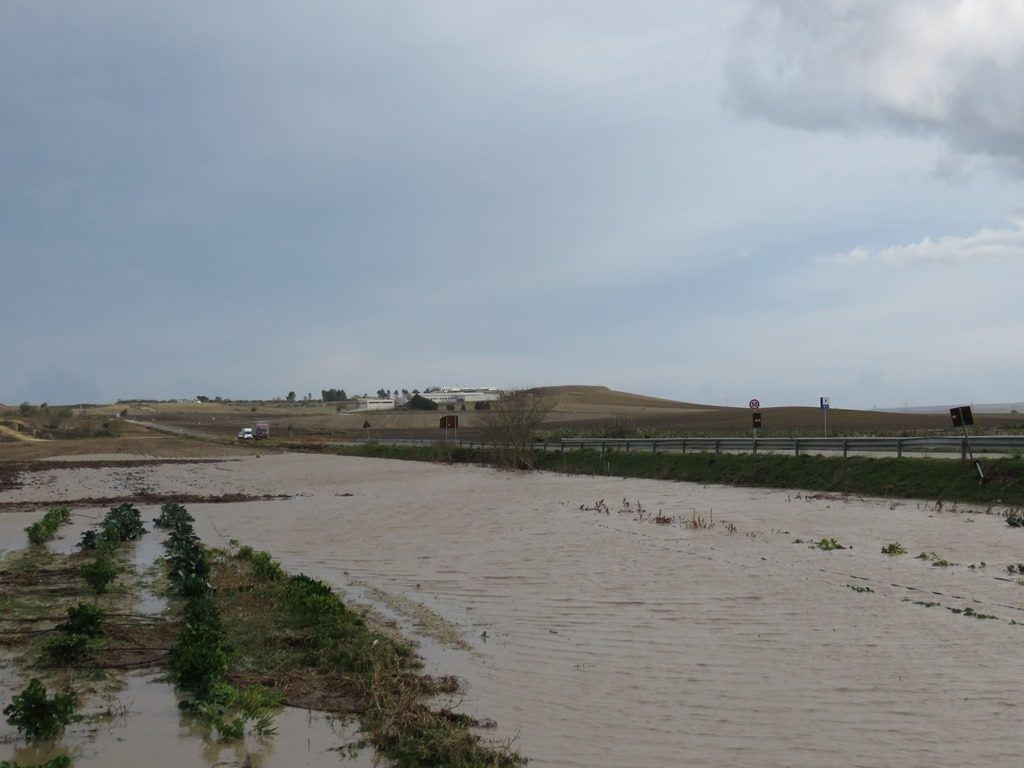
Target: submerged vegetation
828,545
39,716
1015,519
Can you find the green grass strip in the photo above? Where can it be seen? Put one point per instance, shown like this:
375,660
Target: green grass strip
296,633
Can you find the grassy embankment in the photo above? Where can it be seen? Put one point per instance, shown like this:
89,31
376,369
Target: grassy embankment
294,634
920,478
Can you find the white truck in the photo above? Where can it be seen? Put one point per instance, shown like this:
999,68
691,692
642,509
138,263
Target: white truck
260,430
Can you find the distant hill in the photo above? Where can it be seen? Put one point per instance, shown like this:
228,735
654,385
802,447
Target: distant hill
587,396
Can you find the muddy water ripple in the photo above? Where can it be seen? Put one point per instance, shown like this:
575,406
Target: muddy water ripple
603,640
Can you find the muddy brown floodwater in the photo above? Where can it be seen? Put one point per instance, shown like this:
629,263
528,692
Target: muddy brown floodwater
602,638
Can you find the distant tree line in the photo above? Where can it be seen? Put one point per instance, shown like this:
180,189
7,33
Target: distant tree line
45,409
333,395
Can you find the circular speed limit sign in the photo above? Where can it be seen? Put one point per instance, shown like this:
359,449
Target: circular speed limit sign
755,403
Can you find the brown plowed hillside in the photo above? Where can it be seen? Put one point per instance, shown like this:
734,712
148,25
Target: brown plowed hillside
583,396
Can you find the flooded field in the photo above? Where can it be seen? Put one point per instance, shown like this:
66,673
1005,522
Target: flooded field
688,625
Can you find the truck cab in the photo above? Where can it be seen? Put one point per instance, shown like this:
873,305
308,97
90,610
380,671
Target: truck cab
246,433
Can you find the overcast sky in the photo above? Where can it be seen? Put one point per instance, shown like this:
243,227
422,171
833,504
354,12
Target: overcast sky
708,201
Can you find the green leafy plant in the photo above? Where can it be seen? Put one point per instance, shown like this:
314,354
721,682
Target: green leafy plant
857,588
99,573
83,619
197,662
89,540
895,548
122,523
264,567
66,649
200,658
43,530
227,709
39,716
829,545
172,516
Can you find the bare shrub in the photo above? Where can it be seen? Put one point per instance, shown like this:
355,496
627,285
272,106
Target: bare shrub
511,423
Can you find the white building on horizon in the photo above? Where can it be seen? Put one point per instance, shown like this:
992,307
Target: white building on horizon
375,404
457,395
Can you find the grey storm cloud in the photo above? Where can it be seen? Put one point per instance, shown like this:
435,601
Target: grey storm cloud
950,68
515,192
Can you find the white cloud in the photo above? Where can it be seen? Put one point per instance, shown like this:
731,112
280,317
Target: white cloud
985,245
951,67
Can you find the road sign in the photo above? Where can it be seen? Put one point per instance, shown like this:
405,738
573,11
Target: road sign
755,404
962,416
366,425
449,422
757,419
824,404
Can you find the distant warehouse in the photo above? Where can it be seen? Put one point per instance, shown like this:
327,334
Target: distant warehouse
457,395
375,404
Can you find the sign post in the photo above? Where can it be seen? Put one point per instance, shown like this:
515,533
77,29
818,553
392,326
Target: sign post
366,430
450,422
824,409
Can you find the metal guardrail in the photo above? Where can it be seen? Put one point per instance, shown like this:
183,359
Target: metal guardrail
795,445
798,445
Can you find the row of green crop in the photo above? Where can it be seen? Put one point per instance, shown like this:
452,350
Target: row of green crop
200,657
121,523
34,713
43,530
